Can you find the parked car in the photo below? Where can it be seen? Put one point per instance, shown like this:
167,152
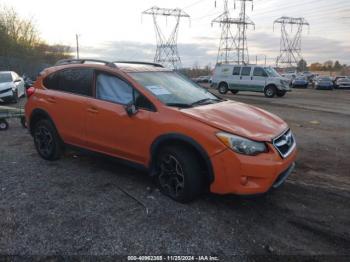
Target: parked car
202,79
343,83
324,82
189,139
300,81
335,80
249,78
11,86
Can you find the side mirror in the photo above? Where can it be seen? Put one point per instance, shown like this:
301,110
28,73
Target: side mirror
17,80
131,109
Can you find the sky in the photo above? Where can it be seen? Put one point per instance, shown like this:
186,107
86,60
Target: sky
116,30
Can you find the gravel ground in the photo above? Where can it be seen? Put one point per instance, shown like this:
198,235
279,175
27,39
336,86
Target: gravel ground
87,204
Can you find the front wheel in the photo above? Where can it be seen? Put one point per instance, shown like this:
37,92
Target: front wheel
47,141
179,173
270,91
281,93
223,88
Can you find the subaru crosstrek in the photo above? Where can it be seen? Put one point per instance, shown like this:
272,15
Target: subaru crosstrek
189,139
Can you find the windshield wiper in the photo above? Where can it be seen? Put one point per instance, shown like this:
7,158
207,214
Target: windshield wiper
182,105
205,101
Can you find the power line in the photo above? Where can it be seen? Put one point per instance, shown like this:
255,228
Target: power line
233,48
290,44
167,51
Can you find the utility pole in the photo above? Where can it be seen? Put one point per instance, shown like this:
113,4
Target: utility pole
233,49
77,42
290,44
167,52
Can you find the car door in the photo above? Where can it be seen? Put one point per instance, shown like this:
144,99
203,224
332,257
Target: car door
110,129
65,101
245,79
235,82
258,79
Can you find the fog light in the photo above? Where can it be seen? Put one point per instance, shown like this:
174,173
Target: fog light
244,180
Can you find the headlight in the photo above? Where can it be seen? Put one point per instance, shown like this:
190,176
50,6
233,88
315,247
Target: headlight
242,145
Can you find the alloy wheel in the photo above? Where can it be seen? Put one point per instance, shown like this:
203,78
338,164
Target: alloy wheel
171,176
44,141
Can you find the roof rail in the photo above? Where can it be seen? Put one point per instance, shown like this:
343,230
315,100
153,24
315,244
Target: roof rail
84,61
139,63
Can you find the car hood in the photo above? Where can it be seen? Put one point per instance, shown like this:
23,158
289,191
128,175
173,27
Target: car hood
6,85
239,119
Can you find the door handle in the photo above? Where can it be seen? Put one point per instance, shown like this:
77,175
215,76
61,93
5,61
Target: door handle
51,100
93,110
240,78
251,78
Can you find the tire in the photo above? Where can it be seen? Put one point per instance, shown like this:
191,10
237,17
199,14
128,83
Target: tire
270,91
47,141
223,88
4,125
179,173
234,92
281,93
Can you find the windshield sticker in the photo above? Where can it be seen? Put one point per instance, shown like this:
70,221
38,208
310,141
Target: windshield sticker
158,90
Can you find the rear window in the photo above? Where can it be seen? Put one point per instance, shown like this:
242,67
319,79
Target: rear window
76,80
246,71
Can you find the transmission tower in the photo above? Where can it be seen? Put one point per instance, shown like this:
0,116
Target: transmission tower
233,48
166,52
290,43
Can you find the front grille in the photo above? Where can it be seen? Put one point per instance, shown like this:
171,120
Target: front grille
5,91
284,143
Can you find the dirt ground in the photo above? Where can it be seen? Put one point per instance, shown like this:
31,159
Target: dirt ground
84,204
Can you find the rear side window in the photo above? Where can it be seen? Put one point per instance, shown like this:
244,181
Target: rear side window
113,89
76,80
236,70
246,71
258,71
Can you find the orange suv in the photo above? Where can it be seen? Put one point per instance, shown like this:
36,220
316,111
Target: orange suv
189,139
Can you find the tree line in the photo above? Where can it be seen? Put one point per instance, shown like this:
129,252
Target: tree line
21,48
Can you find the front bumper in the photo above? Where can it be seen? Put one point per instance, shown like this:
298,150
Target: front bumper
6,94
247,175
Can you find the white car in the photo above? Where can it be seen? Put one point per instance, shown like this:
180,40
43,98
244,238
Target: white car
249,78
11,86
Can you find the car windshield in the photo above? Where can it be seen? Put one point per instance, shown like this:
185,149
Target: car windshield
174,89
5,77
300,78
272,72
324,79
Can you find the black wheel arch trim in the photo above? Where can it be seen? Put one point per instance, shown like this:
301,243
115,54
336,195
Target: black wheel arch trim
40,113
171,137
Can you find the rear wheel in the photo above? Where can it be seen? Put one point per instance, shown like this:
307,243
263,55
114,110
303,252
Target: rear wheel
179,173
223,88
281,93
46,140
234,92
270,91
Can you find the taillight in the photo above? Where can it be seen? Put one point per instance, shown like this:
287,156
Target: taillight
30,91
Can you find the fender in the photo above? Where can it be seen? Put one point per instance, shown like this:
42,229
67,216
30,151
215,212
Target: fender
37,114
172,137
